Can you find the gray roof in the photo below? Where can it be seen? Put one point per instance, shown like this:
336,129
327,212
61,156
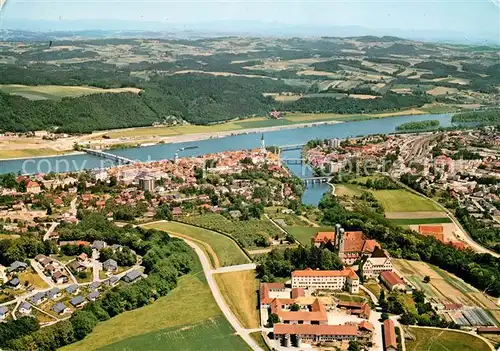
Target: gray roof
16,265
94,285
111,280
14,282
98,244
72,288
37,297
76,300
110,264
3,310
53,292
59,307
131,276
93,295
25,305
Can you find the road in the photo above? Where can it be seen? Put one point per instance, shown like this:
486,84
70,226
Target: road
72,206
372,295
466,237
240,267
244,333
38,270
50,230
96,265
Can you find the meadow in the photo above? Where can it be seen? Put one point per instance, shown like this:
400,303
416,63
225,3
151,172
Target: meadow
443,340
239,290
212,334
190,303
221,250
411,221
401,200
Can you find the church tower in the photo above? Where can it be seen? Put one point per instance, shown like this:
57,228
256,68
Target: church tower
262,144
341,244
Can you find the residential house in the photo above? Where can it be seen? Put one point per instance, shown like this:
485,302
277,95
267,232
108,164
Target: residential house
59,278
77,266
73,289
132,276
376,264
17,266
112,281
14,283
83,258
177,211
4,312
33,187
54,293
78,301
392,281
94,285
93,295
60,308
38,298
25,308
98,245
110,265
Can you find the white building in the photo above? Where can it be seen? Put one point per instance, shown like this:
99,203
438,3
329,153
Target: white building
345,279
373,266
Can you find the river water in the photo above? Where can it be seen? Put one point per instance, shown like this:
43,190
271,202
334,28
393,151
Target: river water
235,142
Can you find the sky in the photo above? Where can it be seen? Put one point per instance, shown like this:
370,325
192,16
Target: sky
468,17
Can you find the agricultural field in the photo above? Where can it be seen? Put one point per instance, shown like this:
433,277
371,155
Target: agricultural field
248,233
443,340
221,250
212,334
239,290
401,200
190,303
443,286
55,92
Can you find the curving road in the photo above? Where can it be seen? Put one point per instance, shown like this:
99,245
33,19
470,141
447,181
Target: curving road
244,333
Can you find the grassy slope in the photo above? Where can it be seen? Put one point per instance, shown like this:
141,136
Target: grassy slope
259,339
410,221
438,340
213,334
227,251
240,293
190,302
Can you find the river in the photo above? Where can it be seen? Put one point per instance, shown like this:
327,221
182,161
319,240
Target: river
235,142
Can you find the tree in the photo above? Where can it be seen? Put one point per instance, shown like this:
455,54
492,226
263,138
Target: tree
427,279
163,212
273,318
295,307
49,210
384,316
354,346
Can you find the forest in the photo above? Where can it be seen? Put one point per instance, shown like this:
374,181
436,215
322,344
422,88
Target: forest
483,117
419,125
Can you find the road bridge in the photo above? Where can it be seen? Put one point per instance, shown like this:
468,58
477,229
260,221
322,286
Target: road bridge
107,155
292,147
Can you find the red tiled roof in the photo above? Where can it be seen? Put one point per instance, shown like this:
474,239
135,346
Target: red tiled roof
324,237
366,325
310,329
390,334
391,278
488,330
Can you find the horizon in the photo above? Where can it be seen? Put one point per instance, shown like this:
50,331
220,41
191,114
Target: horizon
441,20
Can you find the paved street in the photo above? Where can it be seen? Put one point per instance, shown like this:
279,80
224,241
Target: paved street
50,230
241,267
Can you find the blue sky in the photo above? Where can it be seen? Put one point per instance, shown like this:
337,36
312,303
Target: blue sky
469,17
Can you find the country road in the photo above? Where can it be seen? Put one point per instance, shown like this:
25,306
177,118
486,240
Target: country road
244,333
50,230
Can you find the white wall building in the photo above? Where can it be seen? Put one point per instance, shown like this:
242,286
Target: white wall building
345,279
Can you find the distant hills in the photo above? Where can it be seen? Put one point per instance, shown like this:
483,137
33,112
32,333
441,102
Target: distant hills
28,29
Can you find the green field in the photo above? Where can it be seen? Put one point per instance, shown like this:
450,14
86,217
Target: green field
443,340
191,302
55,92
227,252
401,200
411,221
212,334
304,234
